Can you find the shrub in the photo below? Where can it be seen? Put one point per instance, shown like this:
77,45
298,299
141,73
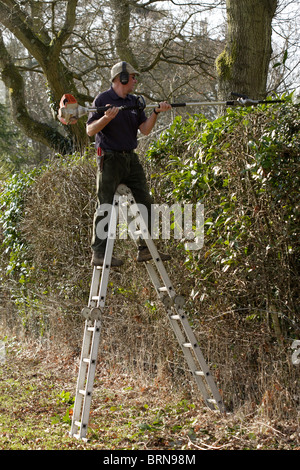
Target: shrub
244,168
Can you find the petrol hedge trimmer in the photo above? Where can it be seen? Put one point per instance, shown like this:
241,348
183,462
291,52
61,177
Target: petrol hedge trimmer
70,111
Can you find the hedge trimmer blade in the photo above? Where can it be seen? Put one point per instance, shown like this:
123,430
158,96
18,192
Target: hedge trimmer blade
244,100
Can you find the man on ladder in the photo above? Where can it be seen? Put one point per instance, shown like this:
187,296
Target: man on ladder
116,140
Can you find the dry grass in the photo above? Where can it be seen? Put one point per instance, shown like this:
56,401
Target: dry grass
129,412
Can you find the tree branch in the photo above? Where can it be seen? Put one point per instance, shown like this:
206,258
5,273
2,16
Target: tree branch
122,20
41,132
67,29
21,26
59,77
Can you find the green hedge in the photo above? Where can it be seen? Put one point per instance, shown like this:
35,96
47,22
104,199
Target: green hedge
244,168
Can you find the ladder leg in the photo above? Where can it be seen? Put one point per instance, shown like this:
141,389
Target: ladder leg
178,321
111,236
92,362
91,338
80,381
85,380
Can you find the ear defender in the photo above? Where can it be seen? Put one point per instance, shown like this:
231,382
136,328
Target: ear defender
124,75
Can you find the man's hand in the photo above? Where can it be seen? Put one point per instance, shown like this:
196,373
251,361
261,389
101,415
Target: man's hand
162,107
97,126
111,112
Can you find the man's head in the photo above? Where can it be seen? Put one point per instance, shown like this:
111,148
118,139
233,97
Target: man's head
123,77
123,70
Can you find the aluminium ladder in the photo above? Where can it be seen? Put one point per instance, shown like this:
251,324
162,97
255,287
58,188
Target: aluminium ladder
173,303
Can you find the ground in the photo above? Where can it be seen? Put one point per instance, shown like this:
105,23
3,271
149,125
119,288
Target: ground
38,384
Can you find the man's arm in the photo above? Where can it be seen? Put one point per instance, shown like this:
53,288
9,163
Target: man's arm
147,126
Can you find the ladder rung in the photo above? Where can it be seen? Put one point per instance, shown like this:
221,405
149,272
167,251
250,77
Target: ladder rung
162,289
187,345
95,297
86,359
82,392
91,328
175,317
77,423
212,400
199,372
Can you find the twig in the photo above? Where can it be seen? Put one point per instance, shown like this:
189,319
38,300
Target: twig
206,446
271,427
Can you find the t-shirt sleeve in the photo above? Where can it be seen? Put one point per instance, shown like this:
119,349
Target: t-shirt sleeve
141,118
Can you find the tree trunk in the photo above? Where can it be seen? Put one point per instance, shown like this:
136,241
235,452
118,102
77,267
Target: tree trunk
243,66
121,10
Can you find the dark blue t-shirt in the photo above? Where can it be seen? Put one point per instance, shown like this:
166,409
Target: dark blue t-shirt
121,132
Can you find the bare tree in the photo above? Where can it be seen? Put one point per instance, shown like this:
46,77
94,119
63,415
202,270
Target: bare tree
74,43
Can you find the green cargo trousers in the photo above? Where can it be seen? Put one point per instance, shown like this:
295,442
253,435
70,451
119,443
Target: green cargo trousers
118,168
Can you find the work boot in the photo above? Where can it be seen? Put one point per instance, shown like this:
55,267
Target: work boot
145,255
98,260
